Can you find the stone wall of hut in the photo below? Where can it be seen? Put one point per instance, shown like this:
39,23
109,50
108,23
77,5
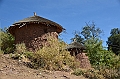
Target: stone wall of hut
84,61
34,35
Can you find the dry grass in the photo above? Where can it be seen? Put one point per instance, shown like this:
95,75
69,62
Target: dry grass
53,56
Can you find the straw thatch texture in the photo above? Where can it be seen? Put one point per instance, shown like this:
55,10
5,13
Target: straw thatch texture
40,20
35,19
75,45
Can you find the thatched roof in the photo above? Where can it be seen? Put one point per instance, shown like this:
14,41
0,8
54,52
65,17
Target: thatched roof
36,19
75,45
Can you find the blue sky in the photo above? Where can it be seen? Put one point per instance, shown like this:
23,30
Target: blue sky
71,14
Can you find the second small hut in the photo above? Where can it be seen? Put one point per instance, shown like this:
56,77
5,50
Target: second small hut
77,50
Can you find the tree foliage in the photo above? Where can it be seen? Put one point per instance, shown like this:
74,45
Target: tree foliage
91,31
114,41
98,56
6,41
88,31
78,38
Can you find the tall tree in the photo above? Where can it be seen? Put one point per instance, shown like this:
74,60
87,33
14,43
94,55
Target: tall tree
115,31
90,31
78,38
114,41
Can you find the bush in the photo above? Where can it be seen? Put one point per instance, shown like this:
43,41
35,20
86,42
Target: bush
6,42
99,57
78,72
53,57
21,53
98,74
20,48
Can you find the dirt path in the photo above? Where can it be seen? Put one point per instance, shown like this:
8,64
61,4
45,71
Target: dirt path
14,69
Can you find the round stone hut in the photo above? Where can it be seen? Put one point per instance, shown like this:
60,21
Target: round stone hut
34,30
77,50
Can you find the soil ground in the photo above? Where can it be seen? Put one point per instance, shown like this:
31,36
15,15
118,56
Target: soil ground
14,69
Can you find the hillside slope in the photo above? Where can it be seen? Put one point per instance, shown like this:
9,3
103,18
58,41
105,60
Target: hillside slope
14,69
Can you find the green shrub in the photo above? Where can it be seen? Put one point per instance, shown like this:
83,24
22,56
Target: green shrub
6,42
99,57
28,54
78,72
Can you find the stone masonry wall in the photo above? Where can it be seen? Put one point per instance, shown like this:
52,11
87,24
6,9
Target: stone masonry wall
84,61
34,35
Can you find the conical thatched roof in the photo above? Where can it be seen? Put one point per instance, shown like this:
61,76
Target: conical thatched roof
75,45
36,19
